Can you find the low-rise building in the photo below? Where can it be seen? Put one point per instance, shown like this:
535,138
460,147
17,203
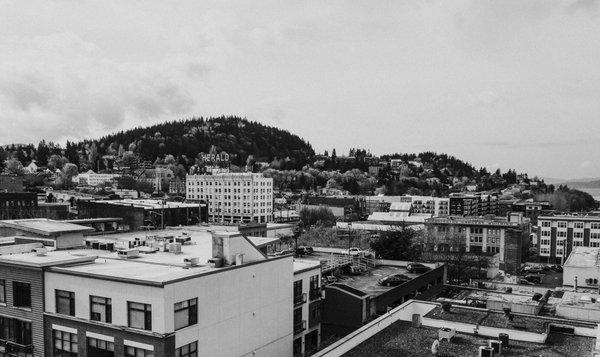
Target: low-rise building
481,235
90,178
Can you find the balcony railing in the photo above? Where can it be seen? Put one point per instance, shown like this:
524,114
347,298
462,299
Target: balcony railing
299,299
299,327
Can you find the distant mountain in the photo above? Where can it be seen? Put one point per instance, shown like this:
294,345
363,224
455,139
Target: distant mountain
592,183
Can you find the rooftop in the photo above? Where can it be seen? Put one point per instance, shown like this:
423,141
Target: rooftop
401,339
368,282
304,265
49,259
148,204
583,257
153,266
44,226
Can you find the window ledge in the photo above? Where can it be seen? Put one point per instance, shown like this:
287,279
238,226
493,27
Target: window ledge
22,308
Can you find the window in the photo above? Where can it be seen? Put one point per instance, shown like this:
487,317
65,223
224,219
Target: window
545,233
578,225
100,309
315,293
65,302
595,225
577,234
544,241
21,294
561,234
2,291
100,348
298,296
562,224
189,350
65,344
139,315
545,223
595,235
137,352
577,243
186,313
15,330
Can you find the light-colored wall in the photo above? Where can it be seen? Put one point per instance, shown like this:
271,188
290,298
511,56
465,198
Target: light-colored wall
582,274
119,292
240,311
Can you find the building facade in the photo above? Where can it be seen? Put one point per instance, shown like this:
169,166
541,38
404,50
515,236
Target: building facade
488,236
473,204
558,235
307,307
233,197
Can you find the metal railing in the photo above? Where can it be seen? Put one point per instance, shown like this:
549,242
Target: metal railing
299,299
299,326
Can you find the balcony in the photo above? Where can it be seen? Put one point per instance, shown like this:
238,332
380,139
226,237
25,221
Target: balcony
299,326
299,299
315,294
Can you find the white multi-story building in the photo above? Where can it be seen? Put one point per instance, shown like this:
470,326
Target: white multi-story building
233,197
558,235
90,178
204,294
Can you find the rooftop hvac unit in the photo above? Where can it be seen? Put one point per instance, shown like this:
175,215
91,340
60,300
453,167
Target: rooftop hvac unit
102,246
40,252
446,334
191,262
496,345
183,239
486,351
128,253
217,262
95,245
88,243
174,248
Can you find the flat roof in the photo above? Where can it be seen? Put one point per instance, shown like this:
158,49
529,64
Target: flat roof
302,265
583,257
368,282
94,220
44,226
51,258
402,339
565,217
148,204
152,268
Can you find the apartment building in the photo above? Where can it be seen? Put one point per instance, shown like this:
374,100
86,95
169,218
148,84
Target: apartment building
233,197
473,204
434,206
507,238
559,234
179,292
307,307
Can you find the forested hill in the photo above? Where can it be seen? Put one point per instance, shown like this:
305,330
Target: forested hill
188,138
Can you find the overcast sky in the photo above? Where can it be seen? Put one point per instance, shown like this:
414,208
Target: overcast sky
497,83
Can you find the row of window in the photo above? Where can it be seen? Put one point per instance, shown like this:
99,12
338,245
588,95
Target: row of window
576,225
139,315
228,183
65,344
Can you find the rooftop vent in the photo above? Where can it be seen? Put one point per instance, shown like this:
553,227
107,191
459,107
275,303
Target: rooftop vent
191,262
446,333
40,252
174,248
128,253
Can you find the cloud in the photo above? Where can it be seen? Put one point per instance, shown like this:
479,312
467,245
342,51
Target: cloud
586,164
60,86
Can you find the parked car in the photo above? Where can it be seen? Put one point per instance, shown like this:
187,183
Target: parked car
304,250
393,280
284,252
354,251
534,278
532,270
417,268
557,268
525,282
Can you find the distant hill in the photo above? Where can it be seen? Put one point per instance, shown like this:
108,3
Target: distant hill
188,138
